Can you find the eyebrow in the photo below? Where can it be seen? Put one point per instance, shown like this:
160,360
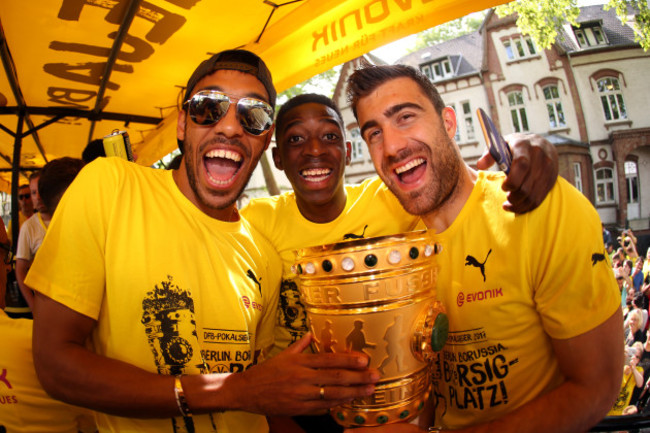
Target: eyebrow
246,95
390,111
297,121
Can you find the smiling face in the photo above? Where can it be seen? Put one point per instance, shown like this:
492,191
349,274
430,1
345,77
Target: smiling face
410,144
219,159
313,153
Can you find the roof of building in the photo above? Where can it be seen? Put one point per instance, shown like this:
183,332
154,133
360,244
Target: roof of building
464,52
616,33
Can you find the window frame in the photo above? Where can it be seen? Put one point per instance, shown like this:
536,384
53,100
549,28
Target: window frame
611,100
554,105
518,114
607,184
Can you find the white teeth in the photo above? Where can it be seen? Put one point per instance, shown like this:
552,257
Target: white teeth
316,172
216,181
409,165
223,153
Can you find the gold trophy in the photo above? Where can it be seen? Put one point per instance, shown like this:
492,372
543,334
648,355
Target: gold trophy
377,296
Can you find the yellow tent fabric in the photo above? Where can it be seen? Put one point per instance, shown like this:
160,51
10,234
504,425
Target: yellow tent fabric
124,64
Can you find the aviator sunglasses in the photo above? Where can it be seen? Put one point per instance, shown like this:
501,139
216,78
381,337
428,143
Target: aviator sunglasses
207,107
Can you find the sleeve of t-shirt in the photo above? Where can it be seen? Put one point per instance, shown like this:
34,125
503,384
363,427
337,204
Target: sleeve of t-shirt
22,247
575,286
69,267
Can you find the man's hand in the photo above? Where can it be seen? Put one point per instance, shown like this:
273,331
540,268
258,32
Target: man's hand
291,382
533,173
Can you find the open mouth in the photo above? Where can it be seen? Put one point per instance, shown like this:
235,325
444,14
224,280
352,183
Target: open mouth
222,165
315,174
411,171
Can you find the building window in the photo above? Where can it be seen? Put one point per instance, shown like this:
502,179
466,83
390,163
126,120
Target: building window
519,47
611,98
437,71
577,176
357,144
468,121
590,36
554,107
604,186
518,111
632,180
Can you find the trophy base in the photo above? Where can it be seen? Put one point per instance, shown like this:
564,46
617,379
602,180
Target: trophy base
393,401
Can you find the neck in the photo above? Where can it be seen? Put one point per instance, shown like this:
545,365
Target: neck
442,217
323,212
46,217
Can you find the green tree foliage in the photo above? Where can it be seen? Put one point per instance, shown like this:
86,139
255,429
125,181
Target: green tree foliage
542,19
451,30
322,83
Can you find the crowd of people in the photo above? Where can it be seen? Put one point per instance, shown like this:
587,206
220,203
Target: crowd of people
160,307
632,272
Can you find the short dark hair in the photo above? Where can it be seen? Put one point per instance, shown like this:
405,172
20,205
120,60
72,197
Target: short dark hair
296,101
93,150
366,79
34,175
55,178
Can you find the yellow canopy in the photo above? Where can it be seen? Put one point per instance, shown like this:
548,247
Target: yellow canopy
79,69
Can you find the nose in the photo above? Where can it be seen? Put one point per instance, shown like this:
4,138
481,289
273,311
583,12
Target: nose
229,124
393,141
314,147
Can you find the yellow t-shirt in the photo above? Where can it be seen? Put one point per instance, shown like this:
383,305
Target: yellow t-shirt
370,210
509,283
173,290
24,405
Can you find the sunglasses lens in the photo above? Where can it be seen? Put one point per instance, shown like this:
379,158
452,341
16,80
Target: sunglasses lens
254,115
206,108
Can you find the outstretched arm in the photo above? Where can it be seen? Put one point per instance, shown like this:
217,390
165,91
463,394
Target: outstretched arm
533,173
287,384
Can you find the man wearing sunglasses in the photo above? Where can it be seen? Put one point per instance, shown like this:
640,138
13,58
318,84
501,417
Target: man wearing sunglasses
156,269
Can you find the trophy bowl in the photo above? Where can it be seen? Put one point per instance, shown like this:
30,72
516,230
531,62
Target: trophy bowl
377,296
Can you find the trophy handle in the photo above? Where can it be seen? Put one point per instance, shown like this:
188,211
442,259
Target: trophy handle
431,331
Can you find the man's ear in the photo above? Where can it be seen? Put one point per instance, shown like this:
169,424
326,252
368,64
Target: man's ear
276,158
180,125
449,121
348,152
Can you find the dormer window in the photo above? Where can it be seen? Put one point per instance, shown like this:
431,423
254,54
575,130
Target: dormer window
590,35
437,71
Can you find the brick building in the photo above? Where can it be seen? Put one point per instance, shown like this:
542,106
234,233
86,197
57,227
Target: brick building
587,95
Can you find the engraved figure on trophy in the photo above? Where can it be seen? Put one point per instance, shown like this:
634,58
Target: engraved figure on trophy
393,352
356,339
327,338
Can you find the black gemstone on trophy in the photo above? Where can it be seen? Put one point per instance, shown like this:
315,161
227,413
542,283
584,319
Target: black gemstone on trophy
370,260
327,265
414,253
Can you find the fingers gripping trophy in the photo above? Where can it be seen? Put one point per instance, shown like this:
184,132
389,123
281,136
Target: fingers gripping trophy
377,296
